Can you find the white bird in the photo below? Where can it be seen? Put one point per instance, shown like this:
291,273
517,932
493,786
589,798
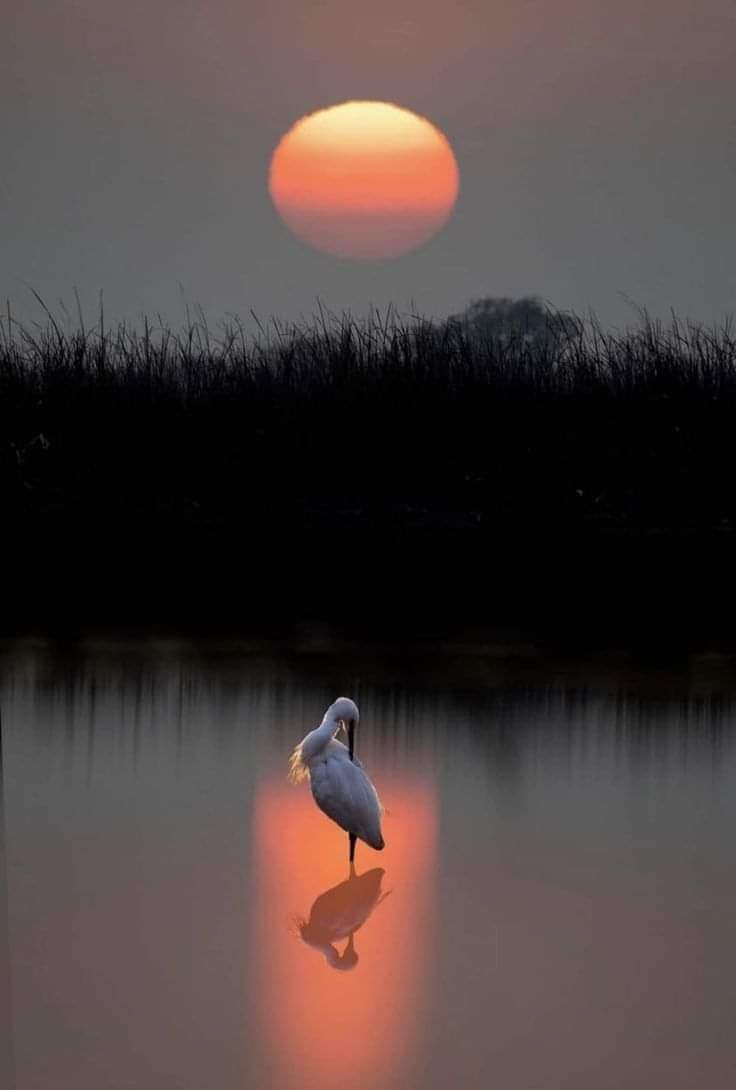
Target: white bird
340,786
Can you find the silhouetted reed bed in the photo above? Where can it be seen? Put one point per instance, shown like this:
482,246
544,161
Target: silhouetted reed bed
417,423
383,426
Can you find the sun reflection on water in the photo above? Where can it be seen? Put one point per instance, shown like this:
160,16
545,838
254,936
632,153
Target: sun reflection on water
376,921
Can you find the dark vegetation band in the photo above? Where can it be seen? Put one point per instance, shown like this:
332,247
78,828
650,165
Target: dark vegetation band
379,422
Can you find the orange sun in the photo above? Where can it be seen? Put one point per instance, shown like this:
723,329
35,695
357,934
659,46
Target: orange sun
365,180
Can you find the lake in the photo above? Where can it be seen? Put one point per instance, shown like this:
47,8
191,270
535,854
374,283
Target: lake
555,905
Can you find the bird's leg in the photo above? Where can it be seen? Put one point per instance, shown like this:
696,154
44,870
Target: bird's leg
352,837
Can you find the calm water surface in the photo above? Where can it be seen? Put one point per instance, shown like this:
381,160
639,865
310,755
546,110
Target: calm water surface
554,907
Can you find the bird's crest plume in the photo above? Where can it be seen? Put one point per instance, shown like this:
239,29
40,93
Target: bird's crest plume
298,770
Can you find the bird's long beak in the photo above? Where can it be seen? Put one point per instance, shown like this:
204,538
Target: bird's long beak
351,737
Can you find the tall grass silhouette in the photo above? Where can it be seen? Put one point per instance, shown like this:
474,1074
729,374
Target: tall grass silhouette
375,422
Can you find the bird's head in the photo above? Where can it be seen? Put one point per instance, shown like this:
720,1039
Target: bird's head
345,961
345,713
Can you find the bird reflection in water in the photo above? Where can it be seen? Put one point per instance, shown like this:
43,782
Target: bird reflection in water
338,913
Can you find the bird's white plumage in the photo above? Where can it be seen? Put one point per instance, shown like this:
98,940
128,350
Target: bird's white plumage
342,790
339,785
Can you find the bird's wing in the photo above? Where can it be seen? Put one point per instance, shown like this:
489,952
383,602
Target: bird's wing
342,790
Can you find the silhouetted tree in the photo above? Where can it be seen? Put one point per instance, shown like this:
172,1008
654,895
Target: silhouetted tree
503,318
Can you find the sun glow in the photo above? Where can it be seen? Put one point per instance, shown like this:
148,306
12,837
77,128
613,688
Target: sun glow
322,1027
365,180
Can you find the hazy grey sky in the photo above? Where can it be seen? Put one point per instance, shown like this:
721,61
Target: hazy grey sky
596,143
